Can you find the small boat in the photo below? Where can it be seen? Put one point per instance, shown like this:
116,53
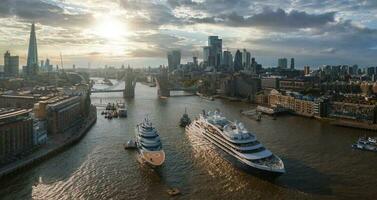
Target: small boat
185,120
108,107
173,191
131,144
122,111
259,116
364,143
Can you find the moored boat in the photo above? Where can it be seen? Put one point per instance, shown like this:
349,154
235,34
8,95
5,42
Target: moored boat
121,109
364,143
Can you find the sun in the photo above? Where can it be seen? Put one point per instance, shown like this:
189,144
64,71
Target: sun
110,28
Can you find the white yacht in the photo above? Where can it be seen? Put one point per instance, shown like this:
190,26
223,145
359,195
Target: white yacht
238,145
149,144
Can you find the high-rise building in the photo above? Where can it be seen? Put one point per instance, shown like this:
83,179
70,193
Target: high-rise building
238,61
42,65
215,50
246,56
306,70
195,61
227,59
282,63
206,51
371,71
292,63
32,56
174,60
11,64
255,68
48,66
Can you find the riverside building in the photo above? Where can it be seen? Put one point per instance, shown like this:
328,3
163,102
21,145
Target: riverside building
16,133
61,113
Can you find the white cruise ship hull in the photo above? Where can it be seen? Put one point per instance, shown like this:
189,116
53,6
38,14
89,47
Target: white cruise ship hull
269,174
236,160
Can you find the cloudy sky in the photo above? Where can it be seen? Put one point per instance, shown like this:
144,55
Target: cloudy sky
140,32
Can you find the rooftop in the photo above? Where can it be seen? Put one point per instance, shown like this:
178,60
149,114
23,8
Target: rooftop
7,113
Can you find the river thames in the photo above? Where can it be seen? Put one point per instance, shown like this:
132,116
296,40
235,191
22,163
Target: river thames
318,158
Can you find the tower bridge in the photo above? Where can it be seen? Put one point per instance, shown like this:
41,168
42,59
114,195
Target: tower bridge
164,85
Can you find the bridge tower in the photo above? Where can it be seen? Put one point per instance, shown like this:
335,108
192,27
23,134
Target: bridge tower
130,82
162,81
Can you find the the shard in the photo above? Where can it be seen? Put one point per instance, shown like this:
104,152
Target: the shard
32,56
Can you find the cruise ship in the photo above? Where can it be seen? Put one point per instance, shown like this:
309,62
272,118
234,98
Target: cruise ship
237,145
149,144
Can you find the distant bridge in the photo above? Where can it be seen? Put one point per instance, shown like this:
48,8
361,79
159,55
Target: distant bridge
164,85
106,91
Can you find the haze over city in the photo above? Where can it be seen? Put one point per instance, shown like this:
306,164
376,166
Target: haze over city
140,33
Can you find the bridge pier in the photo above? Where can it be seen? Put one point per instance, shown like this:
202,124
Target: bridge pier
130,83
162,82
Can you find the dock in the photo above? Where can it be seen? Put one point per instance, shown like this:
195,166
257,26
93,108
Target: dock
355,124
271,111
253,113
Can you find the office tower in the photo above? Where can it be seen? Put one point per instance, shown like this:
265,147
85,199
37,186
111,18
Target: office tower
215,51
48,66
238,61
227,59
32,57
206,51
255,68
371,71
292,63
282,63
246,56
195,61
306,70
43,66
174,60
11,64
355,69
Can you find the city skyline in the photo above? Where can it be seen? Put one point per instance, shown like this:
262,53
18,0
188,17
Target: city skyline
140,33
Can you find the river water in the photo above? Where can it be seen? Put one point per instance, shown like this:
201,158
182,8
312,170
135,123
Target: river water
319,161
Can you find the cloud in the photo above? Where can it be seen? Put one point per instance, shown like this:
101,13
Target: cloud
42,12
328,50
145,14
158,44
323,29
271,19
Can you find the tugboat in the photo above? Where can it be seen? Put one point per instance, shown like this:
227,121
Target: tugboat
364,143
185,120
149,145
